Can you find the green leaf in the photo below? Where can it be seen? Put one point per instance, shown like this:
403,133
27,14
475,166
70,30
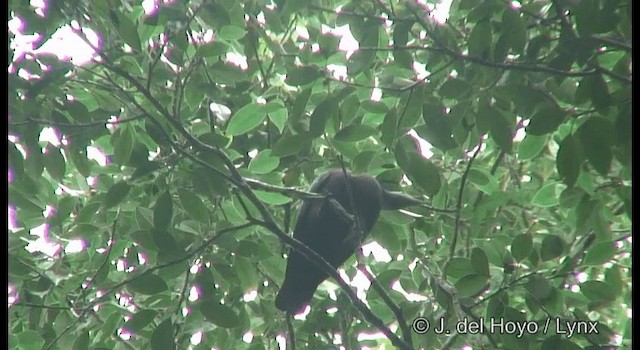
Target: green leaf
213,49
140,319
600,253
545,119
385,234
272,197
539,287
412,107
279,118
598,291
386,278
459,267
218,314
102,274
162,337
601,226
480,262
425,174
401,32
328,43
613,277
245,119
389,128
552,247
501,132
80,161
164,241
297,76
496,305
350,103
555,342
454,88
54,162
418,169
86,214
128,31
587,13
250,249
193,205
367,34
298,111
480,39
483,180
17,267
290,144
291,7
148,284
110,325
264,162
227,73
231,32
471,285
144,169
354,132
437,128
82,341
584,212
273,106
16,161
570,197
246,271
22,195
30,340
623,125
320,115
63,210
569,160
514,29
596,139
163,211
122,145
521,246
116,194
548,195
376,107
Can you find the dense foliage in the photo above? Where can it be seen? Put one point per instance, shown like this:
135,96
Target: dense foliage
215,115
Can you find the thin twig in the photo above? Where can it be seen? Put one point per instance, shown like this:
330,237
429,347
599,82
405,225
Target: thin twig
106,259
113,288
362,267
183,295
324,265
287,191
40,306
291,334
76,125
267,219
463,181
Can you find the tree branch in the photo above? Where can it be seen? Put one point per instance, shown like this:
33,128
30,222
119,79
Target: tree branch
463,181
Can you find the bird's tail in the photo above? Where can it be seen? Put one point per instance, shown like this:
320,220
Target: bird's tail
292,299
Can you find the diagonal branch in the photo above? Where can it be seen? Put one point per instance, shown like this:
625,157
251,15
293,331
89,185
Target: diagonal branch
87,309
463,181
267,219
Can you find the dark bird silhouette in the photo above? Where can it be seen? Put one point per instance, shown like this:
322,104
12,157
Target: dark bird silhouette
321,227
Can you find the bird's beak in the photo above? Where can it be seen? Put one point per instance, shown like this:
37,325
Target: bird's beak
396,200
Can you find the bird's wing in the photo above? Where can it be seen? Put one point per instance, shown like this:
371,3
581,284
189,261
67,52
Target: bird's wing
310,209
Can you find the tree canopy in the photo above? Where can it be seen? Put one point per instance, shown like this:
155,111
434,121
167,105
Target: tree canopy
164,173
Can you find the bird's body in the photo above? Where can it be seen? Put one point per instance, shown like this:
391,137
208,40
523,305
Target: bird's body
321,227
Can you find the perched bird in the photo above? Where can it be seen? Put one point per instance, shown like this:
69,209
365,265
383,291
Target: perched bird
333,236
